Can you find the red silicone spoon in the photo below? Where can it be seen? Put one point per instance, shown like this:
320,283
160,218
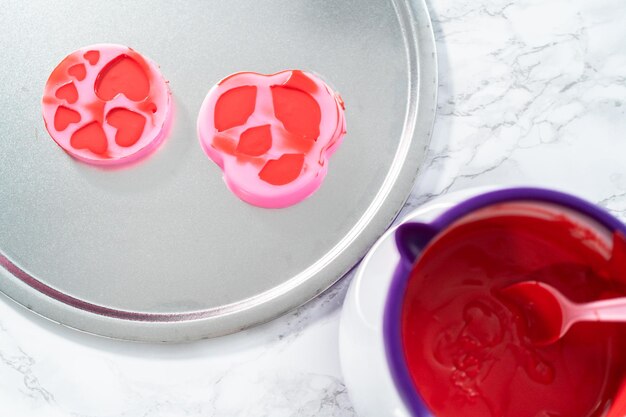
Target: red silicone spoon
550,314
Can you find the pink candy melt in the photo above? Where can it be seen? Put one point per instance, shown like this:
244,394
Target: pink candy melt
272,135
106,105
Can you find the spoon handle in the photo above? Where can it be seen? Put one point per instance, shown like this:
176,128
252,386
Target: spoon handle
613,310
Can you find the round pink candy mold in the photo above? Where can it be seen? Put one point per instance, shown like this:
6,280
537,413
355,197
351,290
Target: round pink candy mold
272,135
107,105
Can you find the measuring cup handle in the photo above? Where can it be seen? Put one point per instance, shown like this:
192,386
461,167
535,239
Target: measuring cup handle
411,238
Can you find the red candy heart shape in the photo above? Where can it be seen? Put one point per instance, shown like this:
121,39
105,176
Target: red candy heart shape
68,93
129,125
91,137
78,71
92,57
65,116
125,76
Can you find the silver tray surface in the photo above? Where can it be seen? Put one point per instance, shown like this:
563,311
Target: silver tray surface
162,251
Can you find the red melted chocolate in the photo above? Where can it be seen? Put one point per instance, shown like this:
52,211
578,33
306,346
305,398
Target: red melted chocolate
468,347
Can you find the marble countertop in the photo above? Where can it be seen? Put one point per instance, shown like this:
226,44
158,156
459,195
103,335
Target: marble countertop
531,92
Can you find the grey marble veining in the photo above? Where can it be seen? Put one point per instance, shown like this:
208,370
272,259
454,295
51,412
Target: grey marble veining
531,92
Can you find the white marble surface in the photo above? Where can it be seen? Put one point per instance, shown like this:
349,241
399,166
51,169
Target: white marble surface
531,92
